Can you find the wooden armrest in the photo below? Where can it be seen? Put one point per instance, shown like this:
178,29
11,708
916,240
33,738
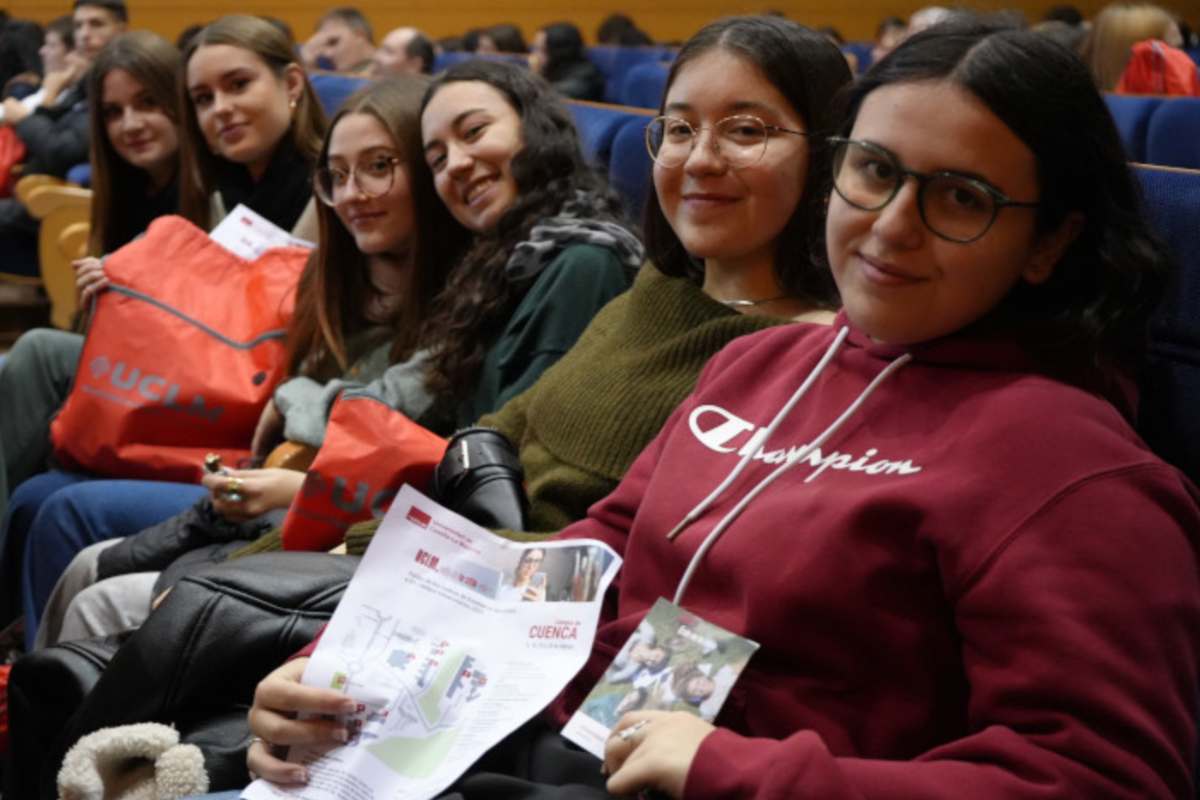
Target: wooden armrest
63,237
291,455
42,201
31,182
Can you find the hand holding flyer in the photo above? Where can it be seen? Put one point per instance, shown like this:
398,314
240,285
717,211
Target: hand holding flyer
674,661
449,638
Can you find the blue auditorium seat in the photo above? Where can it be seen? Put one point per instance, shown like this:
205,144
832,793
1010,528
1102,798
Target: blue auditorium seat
629,167
1132,115
1170,386
333,89
80,174
645,84
1173,136
616,62
597,125
862,50
444,61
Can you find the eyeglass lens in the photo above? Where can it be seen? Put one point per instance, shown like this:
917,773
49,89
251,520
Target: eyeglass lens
373,178
954,207
740,140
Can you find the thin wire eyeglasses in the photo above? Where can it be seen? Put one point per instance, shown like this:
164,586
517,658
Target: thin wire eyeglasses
740,139
372,177
955,207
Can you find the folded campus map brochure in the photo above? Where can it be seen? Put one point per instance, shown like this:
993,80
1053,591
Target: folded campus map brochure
449,638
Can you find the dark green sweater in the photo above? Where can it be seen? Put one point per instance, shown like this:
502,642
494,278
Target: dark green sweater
589,416
548,321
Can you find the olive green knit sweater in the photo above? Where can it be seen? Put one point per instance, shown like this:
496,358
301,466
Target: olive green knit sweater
588,417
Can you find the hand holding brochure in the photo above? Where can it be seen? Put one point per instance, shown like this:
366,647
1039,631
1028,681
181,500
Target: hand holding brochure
449,638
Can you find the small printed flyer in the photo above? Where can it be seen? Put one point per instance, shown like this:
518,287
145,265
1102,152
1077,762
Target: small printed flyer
449,638
674,661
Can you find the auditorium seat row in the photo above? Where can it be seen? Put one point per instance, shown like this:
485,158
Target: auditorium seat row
1158,130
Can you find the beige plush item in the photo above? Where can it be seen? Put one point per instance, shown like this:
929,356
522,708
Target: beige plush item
132,762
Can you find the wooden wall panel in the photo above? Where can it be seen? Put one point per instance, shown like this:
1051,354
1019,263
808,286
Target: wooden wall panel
665,20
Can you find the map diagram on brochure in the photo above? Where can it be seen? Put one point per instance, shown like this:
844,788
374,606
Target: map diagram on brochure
423,685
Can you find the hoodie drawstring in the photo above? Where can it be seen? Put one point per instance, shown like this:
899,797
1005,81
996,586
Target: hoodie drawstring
759,441
760,438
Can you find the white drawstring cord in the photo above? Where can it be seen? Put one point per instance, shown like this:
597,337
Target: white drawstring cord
794,459
761,437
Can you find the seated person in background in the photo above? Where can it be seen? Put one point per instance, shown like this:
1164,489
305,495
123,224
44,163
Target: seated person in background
23,57
889,33
343,42
557,55
620,30
1116,29
56,133
954,596
404,51
504,37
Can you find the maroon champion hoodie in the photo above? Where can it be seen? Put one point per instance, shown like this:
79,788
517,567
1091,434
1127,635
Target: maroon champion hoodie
979,584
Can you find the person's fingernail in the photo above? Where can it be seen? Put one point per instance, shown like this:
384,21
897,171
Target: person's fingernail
341,734
300,775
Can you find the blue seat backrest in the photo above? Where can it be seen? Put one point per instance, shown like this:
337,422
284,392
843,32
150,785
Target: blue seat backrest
333,89
597,126
1170,386
644,84
862,50
444,61
1132,116
80,174
1173,136
629,168
616,62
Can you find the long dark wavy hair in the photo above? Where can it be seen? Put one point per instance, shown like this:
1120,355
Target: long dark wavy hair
549,170
808,70
1087,323
335,289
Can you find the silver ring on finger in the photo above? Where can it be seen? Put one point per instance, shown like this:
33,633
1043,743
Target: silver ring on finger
627,734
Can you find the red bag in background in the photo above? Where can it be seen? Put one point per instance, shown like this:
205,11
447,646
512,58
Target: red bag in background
1157,68
370,451
12,152
184,348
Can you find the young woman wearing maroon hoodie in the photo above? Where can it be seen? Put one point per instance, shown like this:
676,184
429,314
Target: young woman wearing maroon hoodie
967,574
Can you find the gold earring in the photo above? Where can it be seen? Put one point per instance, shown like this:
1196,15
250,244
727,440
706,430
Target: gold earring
292,105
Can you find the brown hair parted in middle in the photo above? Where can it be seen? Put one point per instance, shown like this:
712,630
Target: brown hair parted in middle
153,62
335,290
200,164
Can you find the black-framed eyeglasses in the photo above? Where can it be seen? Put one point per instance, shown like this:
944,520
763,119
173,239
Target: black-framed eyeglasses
741,139
958,208
373,177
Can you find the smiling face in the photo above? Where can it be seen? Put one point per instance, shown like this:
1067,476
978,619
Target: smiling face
138,127
242,106
733,216
531,561
382,224
470,135
899,282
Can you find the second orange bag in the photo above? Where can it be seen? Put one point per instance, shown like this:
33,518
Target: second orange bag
370,451
183,350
